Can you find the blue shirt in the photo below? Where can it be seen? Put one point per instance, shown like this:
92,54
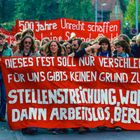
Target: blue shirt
104,54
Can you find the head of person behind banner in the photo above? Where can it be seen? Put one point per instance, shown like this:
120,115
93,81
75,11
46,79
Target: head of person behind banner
54,49
27,47
76,42
122,49
105,47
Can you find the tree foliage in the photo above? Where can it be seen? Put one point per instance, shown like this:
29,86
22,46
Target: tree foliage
130,16
7,10
81,10
11,10
48,10
123,5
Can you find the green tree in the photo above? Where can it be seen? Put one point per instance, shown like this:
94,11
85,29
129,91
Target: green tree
26,9
11,10
52,9
7,11
80,9
123,5
130,16
48,10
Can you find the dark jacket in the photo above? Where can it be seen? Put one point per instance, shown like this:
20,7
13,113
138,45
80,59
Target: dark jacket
80,53
135,50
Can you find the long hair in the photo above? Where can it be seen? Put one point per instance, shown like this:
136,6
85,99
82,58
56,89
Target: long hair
49,53
125,45
21,45
125,37
104,40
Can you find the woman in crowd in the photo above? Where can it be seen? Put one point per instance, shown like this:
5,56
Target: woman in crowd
54,49
105,47
124,37
122,49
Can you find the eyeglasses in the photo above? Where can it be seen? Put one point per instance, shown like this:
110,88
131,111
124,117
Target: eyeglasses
27,42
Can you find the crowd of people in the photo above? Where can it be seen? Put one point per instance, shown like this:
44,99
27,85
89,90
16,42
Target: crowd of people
27,46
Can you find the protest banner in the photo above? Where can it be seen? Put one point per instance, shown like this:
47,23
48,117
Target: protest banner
61,29
66,92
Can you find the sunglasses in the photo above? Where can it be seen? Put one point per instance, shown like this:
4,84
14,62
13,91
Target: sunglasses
27,42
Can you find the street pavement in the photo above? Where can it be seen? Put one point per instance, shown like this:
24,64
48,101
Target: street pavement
43,134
